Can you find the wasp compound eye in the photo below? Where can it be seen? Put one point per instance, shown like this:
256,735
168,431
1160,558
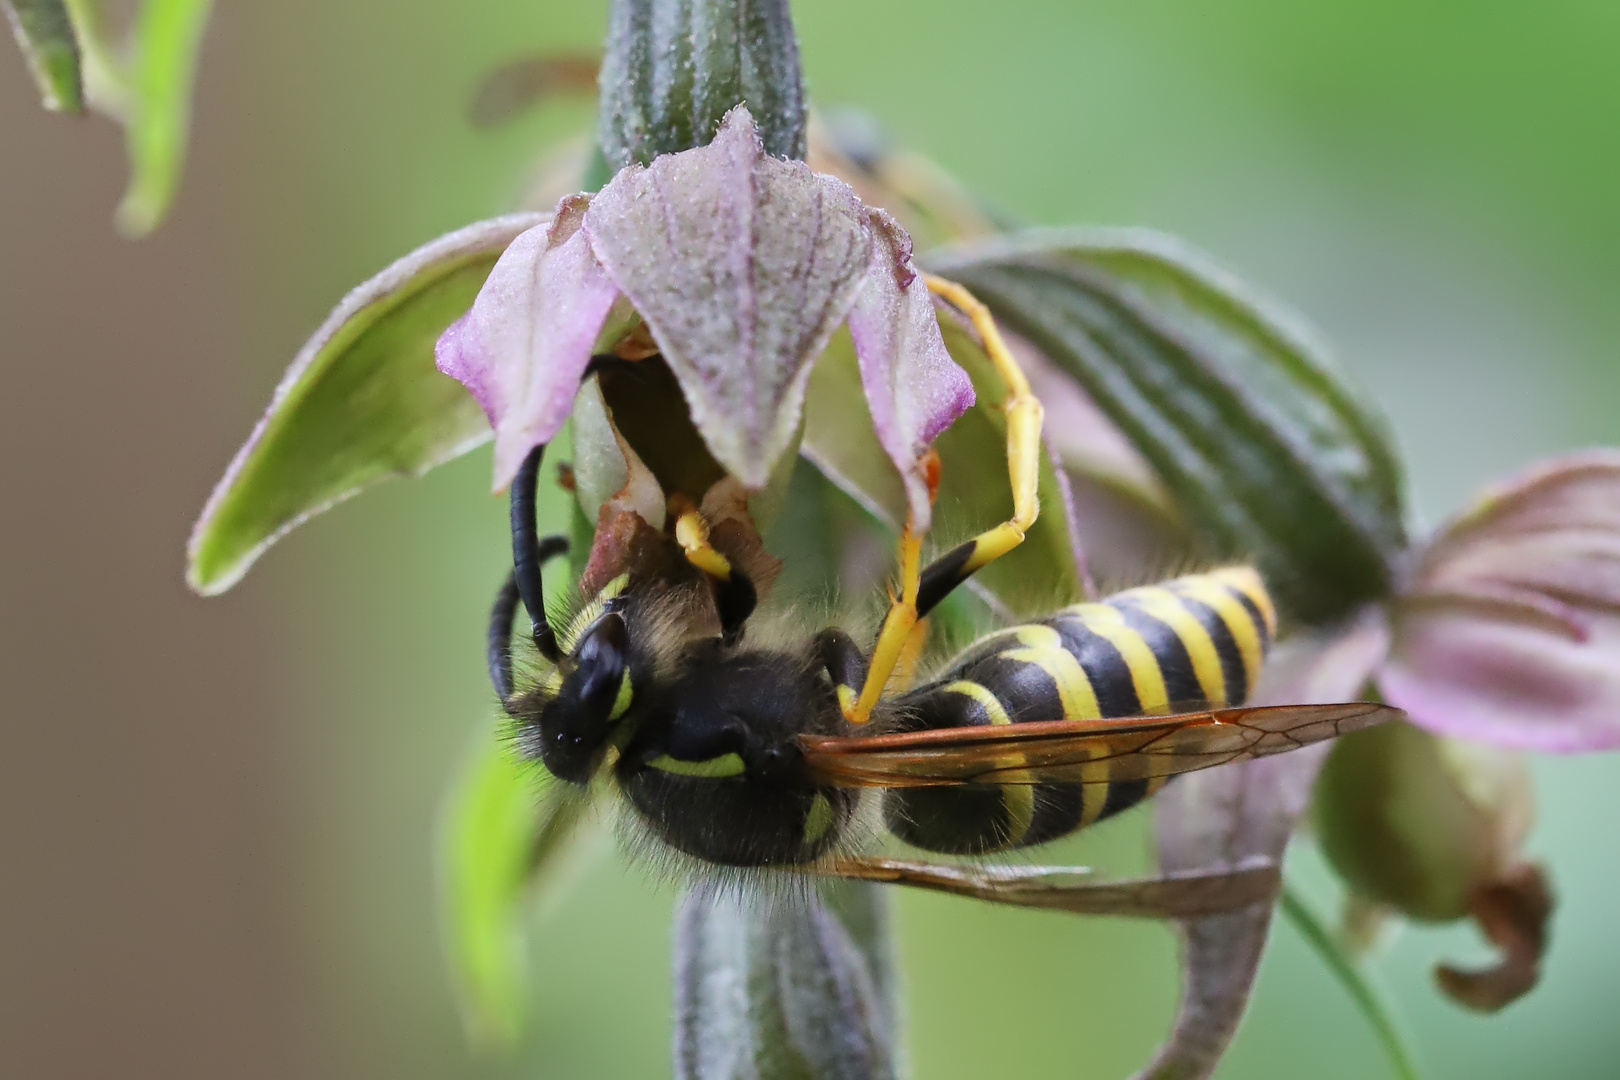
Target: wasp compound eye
594,696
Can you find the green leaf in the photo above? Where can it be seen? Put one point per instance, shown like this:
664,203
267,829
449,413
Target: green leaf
361,402
1369,996
45,34
974,495
163,52
1268,452
794,987
503,826
673,68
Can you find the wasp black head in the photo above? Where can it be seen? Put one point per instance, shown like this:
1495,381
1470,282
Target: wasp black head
715,768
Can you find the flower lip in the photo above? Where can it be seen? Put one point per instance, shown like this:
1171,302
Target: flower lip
742,266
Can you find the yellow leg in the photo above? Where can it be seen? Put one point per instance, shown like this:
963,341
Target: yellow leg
897,626
1023,411
920,590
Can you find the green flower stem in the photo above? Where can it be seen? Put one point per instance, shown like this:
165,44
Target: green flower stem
1369,996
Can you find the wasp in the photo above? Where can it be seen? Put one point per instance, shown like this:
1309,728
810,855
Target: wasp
749,756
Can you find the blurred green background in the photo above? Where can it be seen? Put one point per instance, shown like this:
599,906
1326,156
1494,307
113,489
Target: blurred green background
1433,183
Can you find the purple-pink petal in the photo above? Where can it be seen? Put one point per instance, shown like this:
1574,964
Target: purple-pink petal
913,388
742,266
1509,630
527,340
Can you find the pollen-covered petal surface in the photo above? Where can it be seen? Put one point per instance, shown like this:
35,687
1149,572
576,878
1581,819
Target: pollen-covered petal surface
1509,631
742,266
527,339
913,388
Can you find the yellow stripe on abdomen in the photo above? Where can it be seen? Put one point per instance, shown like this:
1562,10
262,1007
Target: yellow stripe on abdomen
1017,799
1240,623
1146,676
1166,606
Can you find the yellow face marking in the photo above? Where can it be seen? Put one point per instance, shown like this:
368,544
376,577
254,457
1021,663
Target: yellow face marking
1246,581
1043,647
1108,624
818,820
715,768
1239,623
1167,607
591,612
621,703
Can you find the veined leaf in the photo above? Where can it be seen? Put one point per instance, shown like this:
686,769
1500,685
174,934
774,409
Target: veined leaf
1253,430
45,34
361,402
974,494
503,826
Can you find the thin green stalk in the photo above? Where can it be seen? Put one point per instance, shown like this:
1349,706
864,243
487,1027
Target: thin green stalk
1368,995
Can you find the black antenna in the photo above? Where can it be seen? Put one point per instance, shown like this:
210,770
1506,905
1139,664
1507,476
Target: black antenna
529,552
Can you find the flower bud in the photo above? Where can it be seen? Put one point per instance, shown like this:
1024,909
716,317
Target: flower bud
1432,828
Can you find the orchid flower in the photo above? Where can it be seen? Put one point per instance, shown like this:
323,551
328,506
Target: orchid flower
740,266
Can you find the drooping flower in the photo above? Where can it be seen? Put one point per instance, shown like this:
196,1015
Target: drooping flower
740,266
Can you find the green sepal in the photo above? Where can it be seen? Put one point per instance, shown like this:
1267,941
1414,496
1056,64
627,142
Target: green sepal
504,828
1043,572
45,34
362,402
673,68
1259,439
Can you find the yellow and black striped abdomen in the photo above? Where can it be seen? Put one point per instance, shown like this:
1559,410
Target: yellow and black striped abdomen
1186,644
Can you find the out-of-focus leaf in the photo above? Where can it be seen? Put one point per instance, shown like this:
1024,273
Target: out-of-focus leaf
1252,429
45,34
1369,996
672,69
361,402
503,826
1042,572
770,987
512,87
929,204
163,52
1509,631
1219,818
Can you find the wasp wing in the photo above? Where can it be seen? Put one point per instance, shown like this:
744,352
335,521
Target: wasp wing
1081,751
1182,895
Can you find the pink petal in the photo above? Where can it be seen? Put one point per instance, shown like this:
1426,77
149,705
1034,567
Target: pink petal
523,346
742,266
913,388
1510,629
